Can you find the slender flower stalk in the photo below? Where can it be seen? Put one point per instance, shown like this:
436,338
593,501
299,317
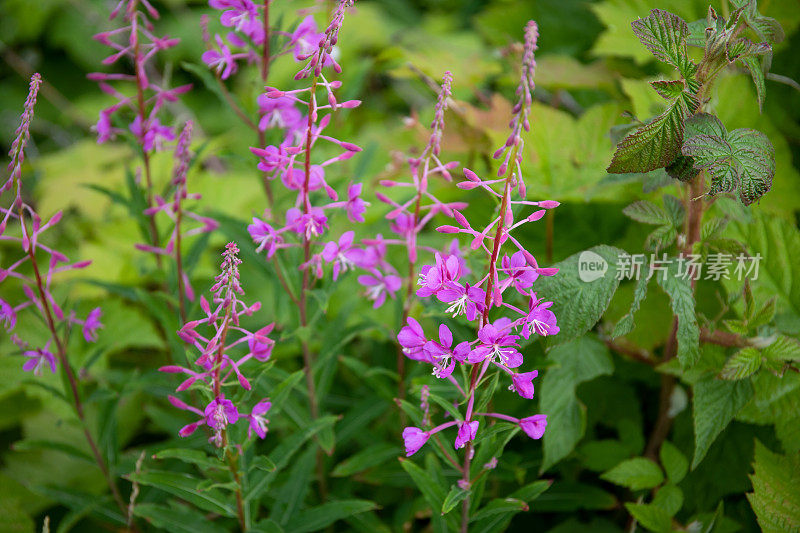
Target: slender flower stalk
216,365
507,278
37,287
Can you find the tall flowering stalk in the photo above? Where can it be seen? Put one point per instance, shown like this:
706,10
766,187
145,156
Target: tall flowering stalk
489,299
176,211
37,286
306,222
135,41
216,365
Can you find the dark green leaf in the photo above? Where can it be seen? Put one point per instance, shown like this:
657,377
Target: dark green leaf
636,474
650,517
322,516
715,404
674,462
775,498
664,34
669,498
679,289
453,498
185,486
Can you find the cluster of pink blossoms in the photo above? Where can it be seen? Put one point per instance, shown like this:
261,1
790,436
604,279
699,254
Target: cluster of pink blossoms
215,365
36,286
136,42
512,279
305,223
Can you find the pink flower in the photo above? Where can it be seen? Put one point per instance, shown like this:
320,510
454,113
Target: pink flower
379,285
260,345
442,354
257,421
222,61
534,425
355,206
433,278
464,300
312,224
91,325
305,39
279,113
37,359
342,254
152,135
466,433
412,339
264,236
540,319
7,315
414,439
497,345
523,383
518,272
242,15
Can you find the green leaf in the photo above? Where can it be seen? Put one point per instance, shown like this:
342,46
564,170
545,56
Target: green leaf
679,290
783,349
767,28
625,324
322,516
657,143
266,526
668,89
674,462
775,498
636,473
196,457
579,304
574,363
646,213
742,160
650,517
176,518
664,34
184,486
742,364
431,490
714,405
496,515
453,498
669,498
372,456
41,444
754,66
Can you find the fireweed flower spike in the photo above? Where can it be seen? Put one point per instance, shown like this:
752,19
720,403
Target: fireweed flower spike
304,226
489,301
216,366
134,40
37,288
178,215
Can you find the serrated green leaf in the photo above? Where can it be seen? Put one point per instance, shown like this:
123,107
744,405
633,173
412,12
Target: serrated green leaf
669,499
679,290
574,363
764,315
636,473
664,34
650,517
775,498
668,89
579,304
646,213
742,160
322,516
674,462
783,349
742,364
714,405
767,28
657,143
625,324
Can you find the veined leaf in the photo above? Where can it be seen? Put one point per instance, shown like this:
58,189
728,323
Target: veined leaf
453,498
766,28
742,160
742,364
431,490
674,462
715,404
185,486
775,498
626,323
664,34
669,498
320,517
657,143
669,89
636,473
783,349
679,290
646,213
650,517
177,519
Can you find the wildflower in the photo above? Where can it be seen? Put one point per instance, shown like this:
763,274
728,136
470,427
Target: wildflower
519,273
342,254
264,236
463,299
222,61
7,315
466,433
39,358
539,319
496,345
412,338
91,325
279,113
414,439
260,345
379,285
442,353
534,426
522,383
258,422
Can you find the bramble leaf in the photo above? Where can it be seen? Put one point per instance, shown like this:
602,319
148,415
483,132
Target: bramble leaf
715,404
668,89
766,28
651,517
775,498
679,290
742,364
664,34
742,160
657,143
669,499
625,324
646,213
674,462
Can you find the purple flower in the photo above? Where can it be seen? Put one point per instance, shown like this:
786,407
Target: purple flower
534,425
540,319
242,15
7,315
37,359
264,236
433,278
442,354
464,299
379,285
260,345
414,439
257,421
523,383
305,39
466,433
92,324
412,339
496,345
519,273
355,206
279,112
222,61
343,255
312,224
152,135
220,412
